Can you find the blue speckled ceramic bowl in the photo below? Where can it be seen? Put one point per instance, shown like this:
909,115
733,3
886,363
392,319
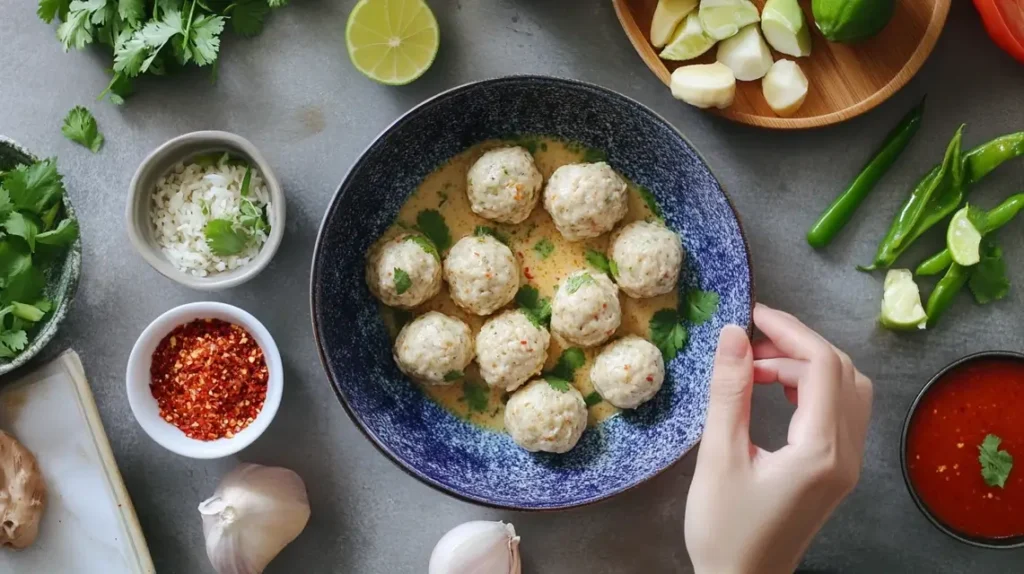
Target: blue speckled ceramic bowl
423,438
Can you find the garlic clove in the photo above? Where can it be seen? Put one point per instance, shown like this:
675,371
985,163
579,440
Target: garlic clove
477,547
254,513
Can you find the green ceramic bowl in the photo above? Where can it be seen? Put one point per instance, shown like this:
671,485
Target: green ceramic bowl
61,277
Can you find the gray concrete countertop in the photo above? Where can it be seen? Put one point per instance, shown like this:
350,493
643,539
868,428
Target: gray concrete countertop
294,93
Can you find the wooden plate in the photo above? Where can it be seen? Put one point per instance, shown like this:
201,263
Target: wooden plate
846,80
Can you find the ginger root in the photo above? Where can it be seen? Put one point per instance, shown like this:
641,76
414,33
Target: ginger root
22,494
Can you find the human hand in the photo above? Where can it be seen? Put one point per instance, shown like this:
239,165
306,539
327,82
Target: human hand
750,510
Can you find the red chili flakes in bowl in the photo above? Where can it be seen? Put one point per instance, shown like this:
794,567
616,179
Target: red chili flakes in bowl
209,378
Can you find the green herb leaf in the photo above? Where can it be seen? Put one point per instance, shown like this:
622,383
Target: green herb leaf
49,9
995,464
34,188
536,308
65,233
277,3
652,203
224,239
431,223
701,306
570,360
203,42
476,395
80,127
667,333
988,280
544,248
593,398
592,155
482,230
12,342
402,281
453,376
978,218
19,225
247,17
400,317
573,283
76,30
557,383
599,261
425,244
26,312
136,54
246,182
131,11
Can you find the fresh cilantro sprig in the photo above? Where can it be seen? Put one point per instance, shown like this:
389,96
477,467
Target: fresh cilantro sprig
544,248
995,464
701,306
80,127
453,375
482,230
573,283
651,202
594,398
476,395
667,330
560,377
424,243
988,281
536,308
431,223
602,262
402,281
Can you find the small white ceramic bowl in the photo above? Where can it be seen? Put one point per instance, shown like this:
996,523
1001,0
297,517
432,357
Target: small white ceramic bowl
145,408
182,149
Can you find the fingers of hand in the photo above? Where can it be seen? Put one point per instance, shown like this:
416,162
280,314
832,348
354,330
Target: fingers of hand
786,372
728,422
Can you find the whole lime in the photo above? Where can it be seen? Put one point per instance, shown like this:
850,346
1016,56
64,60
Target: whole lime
851,20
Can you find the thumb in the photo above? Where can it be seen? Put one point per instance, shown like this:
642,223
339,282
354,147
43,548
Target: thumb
728,423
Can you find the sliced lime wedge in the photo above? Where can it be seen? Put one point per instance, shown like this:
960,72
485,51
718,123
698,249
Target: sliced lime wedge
722,19
689,42
901,302
392,41
667,16
963,239
785,28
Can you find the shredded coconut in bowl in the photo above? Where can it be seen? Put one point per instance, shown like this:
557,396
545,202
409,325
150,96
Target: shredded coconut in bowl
189,197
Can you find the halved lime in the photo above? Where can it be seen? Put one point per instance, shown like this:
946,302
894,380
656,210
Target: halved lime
963,239
722,19
901,302
392,41
689,41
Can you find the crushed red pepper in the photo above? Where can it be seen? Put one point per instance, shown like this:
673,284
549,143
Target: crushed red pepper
209,378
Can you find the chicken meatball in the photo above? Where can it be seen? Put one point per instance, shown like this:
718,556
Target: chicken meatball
542,418
585,199
647,259
482,274
504,185
628,372
585,310
404,271
434,348
510,349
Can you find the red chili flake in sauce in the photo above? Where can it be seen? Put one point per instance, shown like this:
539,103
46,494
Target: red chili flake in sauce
526,272
209,378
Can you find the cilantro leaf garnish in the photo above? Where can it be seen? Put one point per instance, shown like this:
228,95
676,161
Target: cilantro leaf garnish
652,203
667,333
202,39
701,306
544,248
476,396
50,9
30,313
402,281
602,262
34,188
431,223
80,127
592,155
482,230
224,238
19,225
247,17
557,383
573,284
453,375
988,280
424,244
995,464
593,398
564,371
12,342
64,234
536,308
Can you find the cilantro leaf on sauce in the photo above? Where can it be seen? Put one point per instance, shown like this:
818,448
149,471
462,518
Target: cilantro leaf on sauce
593,398
601,262
431,223
536,308
475,395
453,376
544,248
995,464
564,371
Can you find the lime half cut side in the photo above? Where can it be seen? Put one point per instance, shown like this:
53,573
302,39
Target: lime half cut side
901,302
723,19
963,239
392,41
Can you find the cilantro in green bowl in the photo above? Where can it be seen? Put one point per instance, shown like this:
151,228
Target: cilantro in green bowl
40,254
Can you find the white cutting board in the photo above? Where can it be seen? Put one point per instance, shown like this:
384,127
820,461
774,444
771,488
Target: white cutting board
89,525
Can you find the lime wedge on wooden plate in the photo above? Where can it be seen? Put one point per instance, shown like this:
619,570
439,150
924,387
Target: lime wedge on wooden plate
724,18
667,17
901,302
392,41
963,239
689,41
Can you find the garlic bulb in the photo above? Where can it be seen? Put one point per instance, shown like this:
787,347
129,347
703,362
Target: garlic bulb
254,513
477,547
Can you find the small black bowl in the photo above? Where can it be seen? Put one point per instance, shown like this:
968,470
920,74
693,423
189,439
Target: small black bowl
980,542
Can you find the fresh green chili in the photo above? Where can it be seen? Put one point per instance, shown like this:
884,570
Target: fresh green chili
994,219
945,292
977,163
839,213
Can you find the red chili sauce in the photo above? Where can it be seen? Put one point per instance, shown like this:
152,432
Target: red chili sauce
981,397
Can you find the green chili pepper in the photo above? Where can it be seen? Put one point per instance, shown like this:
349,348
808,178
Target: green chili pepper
839,213
994,219
945,292
977,163
938,183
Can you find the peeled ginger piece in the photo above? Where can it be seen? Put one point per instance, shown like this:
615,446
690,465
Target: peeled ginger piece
746,54
667,17
704,85
784,87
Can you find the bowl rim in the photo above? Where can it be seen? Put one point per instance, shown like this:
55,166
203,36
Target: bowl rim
181,444
339,193
172,149
978,542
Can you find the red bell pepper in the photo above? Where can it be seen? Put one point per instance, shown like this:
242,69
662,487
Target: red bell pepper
1004,20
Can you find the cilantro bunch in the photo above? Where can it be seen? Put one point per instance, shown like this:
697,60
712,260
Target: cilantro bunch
33,233
153,36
